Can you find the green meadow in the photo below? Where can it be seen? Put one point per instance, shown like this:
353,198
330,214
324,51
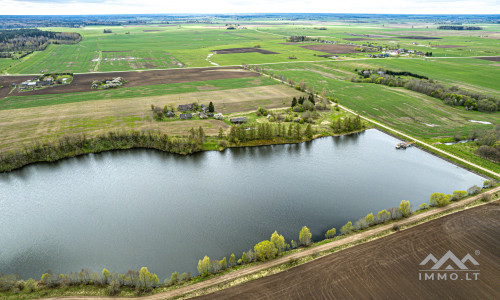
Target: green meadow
417,114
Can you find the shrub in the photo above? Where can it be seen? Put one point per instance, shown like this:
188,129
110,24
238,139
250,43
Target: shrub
395,227
330,233
347,228
423,206
113,288
265,250
404,208
473,190
305,237
440,199
486,198
457,195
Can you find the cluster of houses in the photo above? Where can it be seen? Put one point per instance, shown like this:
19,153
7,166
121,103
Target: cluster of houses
109,84
204,113
36,82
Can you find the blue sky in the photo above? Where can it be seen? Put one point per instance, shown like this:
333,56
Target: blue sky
70,7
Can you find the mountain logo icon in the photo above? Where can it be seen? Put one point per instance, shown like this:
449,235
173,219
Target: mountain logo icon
449,261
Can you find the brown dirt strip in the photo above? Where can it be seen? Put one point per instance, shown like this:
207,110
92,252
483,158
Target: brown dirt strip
447,46
332,49
306,252
491,58
389,267
243,50
83,82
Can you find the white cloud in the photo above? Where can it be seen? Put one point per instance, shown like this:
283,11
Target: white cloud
69,7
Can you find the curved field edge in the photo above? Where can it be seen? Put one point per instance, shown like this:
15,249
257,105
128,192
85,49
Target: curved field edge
245,273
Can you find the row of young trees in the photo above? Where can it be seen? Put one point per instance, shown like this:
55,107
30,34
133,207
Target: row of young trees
450,95
267,131
68,146
140,280
404,210
262,251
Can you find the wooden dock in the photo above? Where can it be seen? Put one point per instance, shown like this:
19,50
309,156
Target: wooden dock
404,145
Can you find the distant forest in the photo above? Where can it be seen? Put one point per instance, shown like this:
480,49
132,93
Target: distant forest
18,40
455,27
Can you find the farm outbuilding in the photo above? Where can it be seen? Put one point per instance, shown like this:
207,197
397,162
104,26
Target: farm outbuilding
239,120
185,107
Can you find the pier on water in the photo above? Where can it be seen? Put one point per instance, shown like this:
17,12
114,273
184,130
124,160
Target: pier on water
404,145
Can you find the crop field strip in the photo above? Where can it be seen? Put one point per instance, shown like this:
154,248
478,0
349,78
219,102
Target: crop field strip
19,126
83,82
390,265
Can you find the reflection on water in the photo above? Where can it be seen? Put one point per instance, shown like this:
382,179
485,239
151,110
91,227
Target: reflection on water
127,209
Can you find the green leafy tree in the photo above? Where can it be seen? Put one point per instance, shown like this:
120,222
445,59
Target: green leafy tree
423,206
174,278
265,250
204,266
347,228
221,133
440,199
201,134
147,279
404,208
293,244
369,219
305,237
244,257
279,241
223,263
309,132
330,233
232,260
457,195
383,216
289,134
297,131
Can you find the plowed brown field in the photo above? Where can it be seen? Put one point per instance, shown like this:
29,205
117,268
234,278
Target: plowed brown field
83,82
388,268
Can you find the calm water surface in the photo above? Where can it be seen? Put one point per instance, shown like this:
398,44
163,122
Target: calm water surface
127,209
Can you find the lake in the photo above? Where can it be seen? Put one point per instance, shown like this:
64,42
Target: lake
123,210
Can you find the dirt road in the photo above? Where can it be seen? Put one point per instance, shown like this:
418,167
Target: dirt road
389,268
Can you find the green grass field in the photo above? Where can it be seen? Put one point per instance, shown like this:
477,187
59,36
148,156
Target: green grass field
417,114
14,102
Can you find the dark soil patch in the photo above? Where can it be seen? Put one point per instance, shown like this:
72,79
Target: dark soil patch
446,46
390,265
357,39
418,37
332,49
243,50
83,82
491,58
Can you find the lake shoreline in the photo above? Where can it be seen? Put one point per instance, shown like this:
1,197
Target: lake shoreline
257,143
